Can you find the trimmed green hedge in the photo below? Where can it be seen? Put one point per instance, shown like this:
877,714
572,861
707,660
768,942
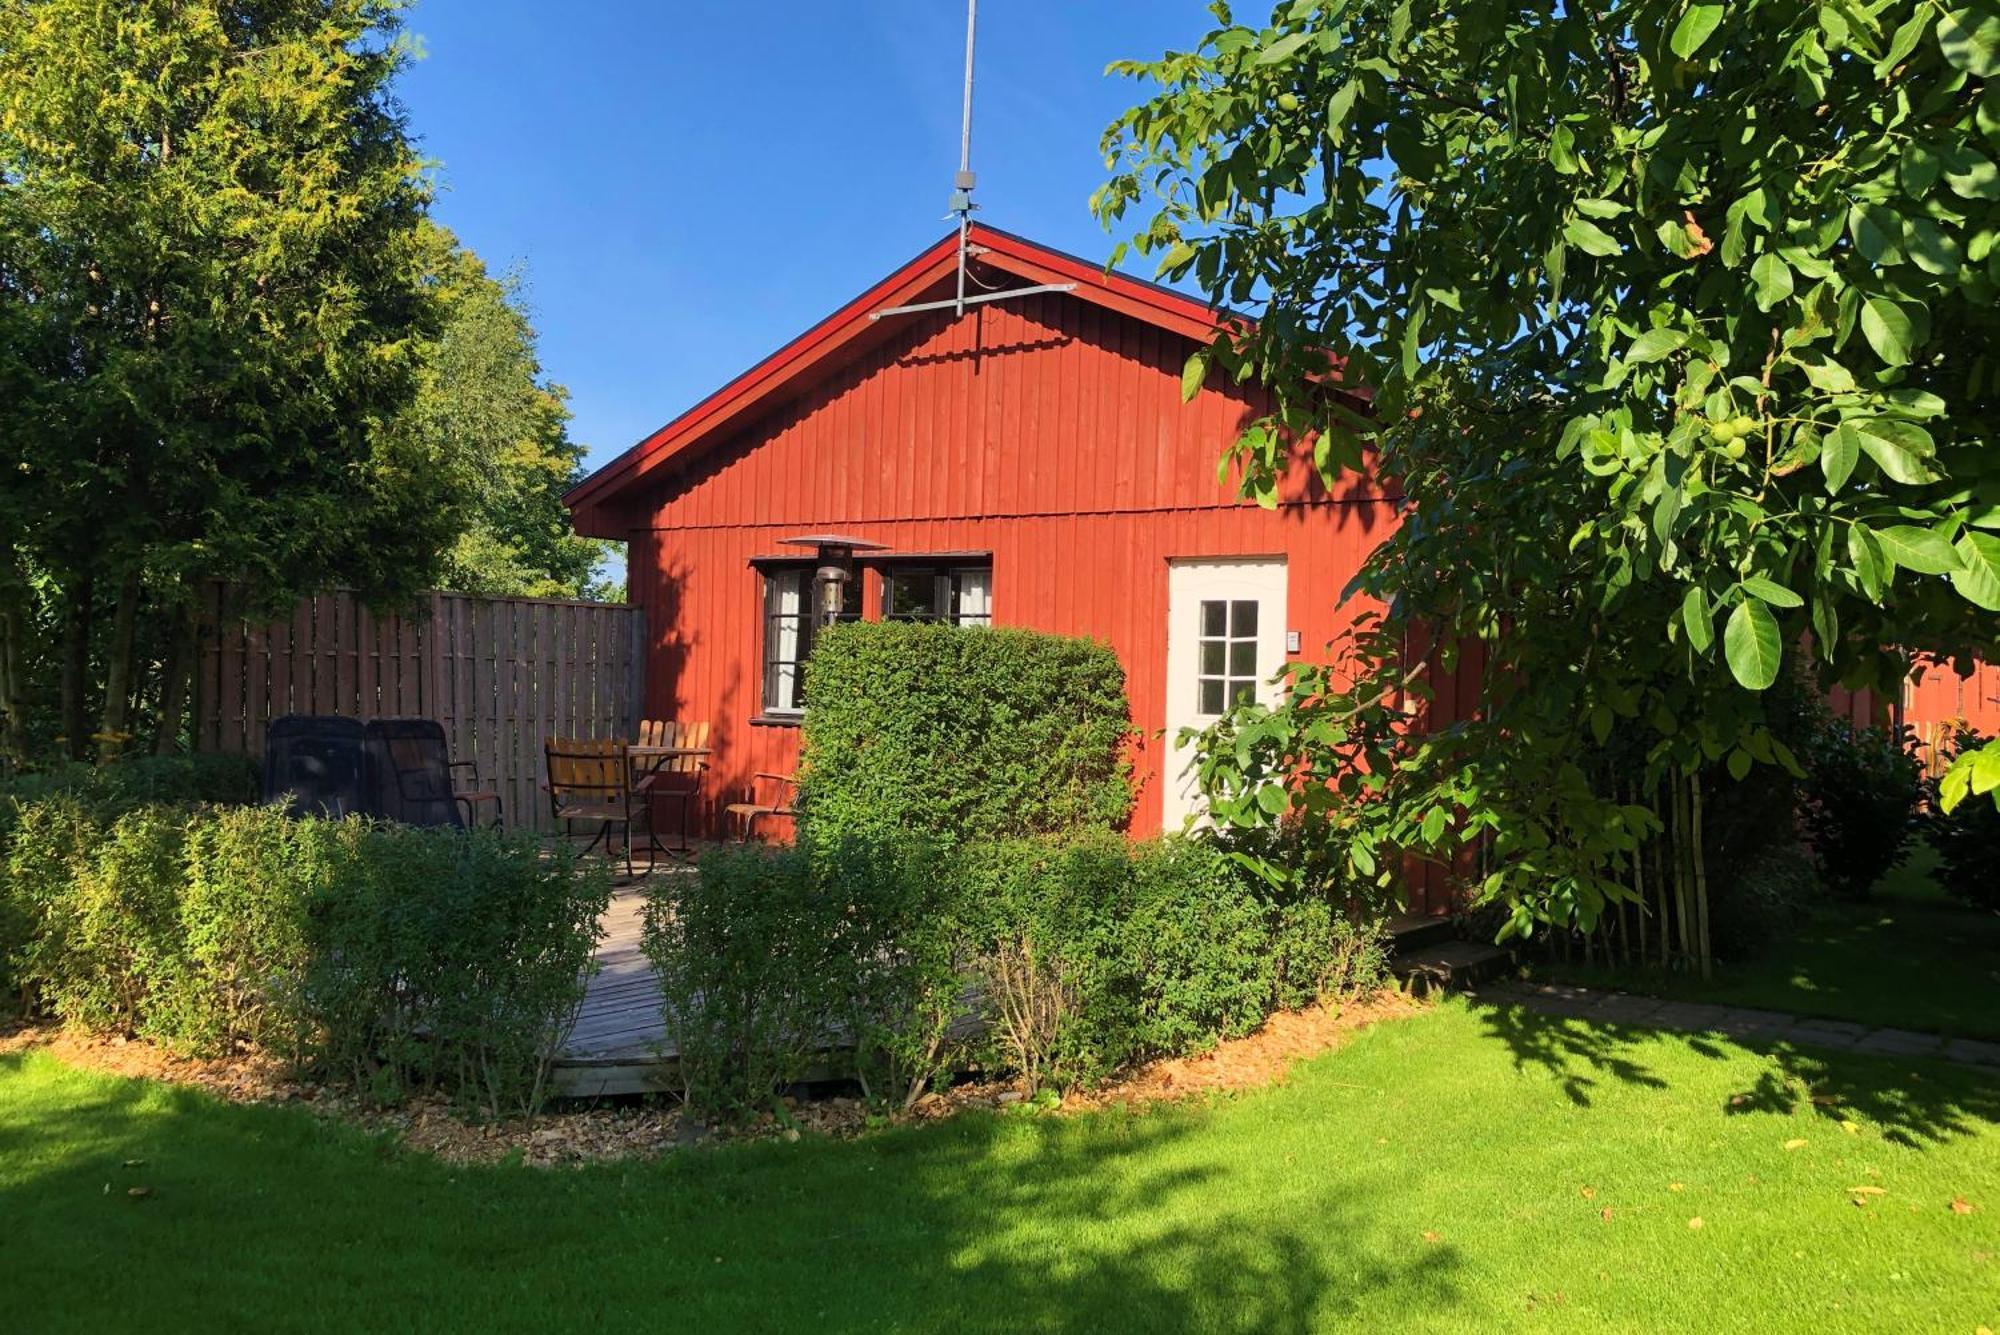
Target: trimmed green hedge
395,957
1079,956
955,734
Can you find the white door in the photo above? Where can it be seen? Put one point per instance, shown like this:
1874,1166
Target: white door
1225,639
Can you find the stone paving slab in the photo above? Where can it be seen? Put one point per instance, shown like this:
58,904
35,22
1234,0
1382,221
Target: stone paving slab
1738,1021
1976,1052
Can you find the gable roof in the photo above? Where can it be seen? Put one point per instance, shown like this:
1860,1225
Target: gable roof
825,345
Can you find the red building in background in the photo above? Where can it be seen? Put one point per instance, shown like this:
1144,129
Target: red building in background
1029,462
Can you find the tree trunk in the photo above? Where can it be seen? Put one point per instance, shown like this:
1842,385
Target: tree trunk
177,680
113,730
78,611
13,679
1707,956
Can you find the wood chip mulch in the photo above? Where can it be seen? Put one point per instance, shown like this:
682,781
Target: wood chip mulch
597,1133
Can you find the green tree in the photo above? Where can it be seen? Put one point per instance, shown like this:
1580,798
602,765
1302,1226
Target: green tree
485,403
211,300
1677,321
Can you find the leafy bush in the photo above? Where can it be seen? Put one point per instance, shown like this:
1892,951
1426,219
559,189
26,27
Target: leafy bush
1046,933
1859,808
1967,839
1320,951
99,905
755,964
1080,955
252,875
124,784
958,734
1758,903
447,959
1197,948
400,957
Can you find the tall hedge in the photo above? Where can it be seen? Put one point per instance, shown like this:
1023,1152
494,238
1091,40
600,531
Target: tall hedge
960,733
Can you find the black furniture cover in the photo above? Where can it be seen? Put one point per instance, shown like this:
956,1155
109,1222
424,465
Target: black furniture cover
317,761
409,772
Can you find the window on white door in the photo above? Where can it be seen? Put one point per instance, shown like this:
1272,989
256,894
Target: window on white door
1227,670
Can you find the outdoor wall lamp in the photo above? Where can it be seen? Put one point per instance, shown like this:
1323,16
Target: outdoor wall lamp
836,569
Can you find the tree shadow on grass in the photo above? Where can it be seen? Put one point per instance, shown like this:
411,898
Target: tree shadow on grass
1910,1102
1910,1107
1577,1051
1121,1221
1167,1220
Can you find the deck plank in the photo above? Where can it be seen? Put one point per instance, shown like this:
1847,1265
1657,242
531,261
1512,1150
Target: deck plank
620,1024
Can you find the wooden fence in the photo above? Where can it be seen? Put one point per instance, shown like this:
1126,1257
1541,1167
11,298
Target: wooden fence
501,674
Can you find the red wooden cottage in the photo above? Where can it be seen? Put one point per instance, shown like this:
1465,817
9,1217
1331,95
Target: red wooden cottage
1028,462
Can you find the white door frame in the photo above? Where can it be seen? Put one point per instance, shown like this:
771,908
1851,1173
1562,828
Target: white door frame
1193,648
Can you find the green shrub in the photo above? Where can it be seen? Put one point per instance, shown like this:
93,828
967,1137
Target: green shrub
1860,800
446,959
1050,950
98,905
1967,839
121,785
1760,902
959,734
1321,951
399,957
1080,955
1197,949
755,971
252,874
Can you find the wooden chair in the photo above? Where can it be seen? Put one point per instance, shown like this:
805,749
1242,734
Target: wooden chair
590,779
785,792
680,778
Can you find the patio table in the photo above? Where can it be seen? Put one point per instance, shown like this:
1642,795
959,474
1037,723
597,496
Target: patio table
648,762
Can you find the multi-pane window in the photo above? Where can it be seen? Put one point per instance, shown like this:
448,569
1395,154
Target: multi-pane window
1228,648
789,627
962,595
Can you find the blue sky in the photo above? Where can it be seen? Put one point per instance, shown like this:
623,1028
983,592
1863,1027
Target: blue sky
690,183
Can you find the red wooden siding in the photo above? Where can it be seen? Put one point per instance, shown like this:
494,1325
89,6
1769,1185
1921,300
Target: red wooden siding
1937,701
1047,431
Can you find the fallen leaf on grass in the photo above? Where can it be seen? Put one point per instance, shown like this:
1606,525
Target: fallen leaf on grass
1588,1193
1675,1186
1432,1235
1868,1191
135,1163
1605,1214
1797,1143
1960,1205
1695,1222
1851,1128
138,1193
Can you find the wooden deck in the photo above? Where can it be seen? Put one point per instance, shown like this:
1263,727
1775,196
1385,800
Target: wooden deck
620,1044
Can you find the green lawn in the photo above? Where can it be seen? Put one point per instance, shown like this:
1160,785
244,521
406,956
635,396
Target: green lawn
1909,957
1444,1173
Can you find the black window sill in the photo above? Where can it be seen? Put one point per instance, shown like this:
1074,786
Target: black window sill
777,720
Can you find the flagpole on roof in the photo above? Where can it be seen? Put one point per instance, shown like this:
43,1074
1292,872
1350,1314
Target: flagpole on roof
962,184
962,207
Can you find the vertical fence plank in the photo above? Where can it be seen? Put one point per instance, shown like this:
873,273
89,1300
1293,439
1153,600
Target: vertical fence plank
499,675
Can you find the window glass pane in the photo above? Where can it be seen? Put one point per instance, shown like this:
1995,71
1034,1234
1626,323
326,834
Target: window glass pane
910,594
787,637
1242,692
972,596
1211,657
1211,695
1243,658
1214,618
1243,617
